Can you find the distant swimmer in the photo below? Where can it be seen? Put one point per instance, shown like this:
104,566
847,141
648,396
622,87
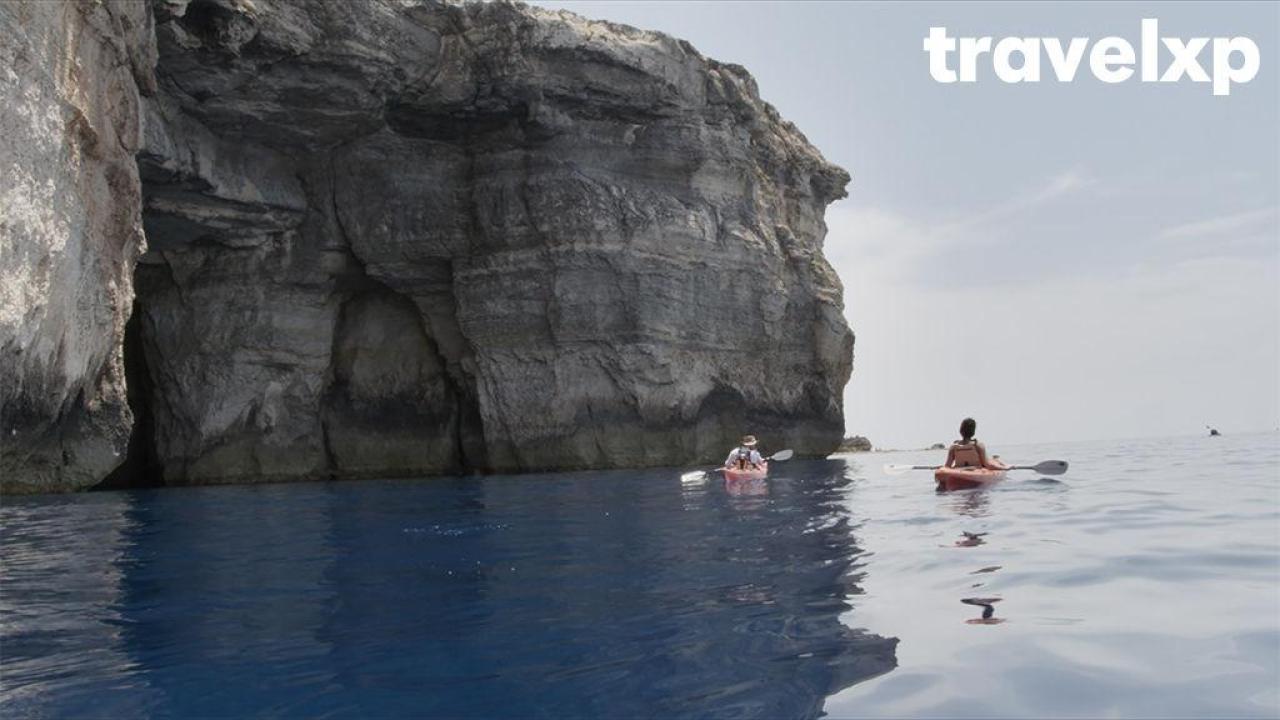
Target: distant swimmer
1213,432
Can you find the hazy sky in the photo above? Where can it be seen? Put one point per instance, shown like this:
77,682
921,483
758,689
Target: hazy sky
1061,261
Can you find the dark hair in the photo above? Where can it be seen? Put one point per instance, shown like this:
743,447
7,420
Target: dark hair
968,427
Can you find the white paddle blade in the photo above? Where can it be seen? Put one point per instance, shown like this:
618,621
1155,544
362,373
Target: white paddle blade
695,476
1051,467
782,455
1048,467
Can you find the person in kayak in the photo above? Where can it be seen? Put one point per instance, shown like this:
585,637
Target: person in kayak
968,452
745,456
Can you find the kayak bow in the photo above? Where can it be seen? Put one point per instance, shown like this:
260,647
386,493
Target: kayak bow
966,478
752,474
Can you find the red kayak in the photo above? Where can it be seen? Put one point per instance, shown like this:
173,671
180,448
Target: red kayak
754,474
966,478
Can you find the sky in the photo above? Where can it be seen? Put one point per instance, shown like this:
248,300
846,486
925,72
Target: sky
1060,261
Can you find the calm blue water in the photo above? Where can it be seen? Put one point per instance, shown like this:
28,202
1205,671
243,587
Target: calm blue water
1145,583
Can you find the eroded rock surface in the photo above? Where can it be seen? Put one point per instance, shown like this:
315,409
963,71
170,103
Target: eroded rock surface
70,232
393,238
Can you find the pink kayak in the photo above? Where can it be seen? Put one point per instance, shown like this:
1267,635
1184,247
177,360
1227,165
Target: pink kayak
754,474
966,478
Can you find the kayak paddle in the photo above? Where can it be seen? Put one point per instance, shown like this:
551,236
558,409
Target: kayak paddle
696,475
1048,467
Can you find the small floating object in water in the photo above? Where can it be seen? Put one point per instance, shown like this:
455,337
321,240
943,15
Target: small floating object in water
971,540
1213,432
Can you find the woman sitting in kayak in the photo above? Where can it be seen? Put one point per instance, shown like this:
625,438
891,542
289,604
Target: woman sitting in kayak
745,457
968,452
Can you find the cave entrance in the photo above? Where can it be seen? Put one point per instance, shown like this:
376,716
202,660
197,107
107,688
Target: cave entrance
140,467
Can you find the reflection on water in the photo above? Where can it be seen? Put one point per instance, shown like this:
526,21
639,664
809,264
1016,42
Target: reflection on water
974,503
61,574
1143,583
611,594
968,540
988,610
743,490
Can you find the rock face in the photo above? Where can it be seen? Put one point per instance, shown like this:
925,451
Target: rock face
70,233
391,237
857,443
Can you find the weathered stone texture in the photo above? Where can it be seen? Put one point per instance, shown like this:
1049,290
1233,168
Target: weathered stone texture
410,237
70,232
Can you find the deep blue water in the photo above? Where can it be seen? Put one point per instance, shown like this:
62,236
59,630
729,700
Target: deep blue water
1145,583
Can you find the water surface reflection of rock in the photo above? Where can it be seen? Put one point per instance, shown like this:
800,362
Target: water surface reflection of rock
62,566
617,594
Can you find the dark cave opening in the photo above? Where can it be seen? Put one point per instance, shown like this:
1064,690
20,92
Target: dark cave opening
141,467
209,21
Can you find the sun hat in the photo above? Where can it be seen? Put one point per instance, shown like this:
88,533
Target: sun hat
749,440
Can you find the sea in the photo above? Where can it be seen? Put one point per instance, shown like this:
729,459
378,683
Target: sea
1142,583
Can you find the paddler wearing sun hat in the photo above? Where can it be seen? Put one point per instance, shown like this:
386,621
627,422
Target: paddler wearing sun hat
745,456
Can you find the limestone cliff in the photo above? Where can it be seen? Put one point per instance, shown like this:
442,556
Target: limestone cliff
70,233
396,237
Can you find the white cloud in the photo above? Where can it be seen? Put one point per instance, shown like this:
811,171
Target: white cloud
895,244
1056,187
1248,223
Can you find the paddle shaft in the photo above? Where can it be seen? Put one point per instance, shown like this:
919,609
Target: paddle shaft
1048,467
